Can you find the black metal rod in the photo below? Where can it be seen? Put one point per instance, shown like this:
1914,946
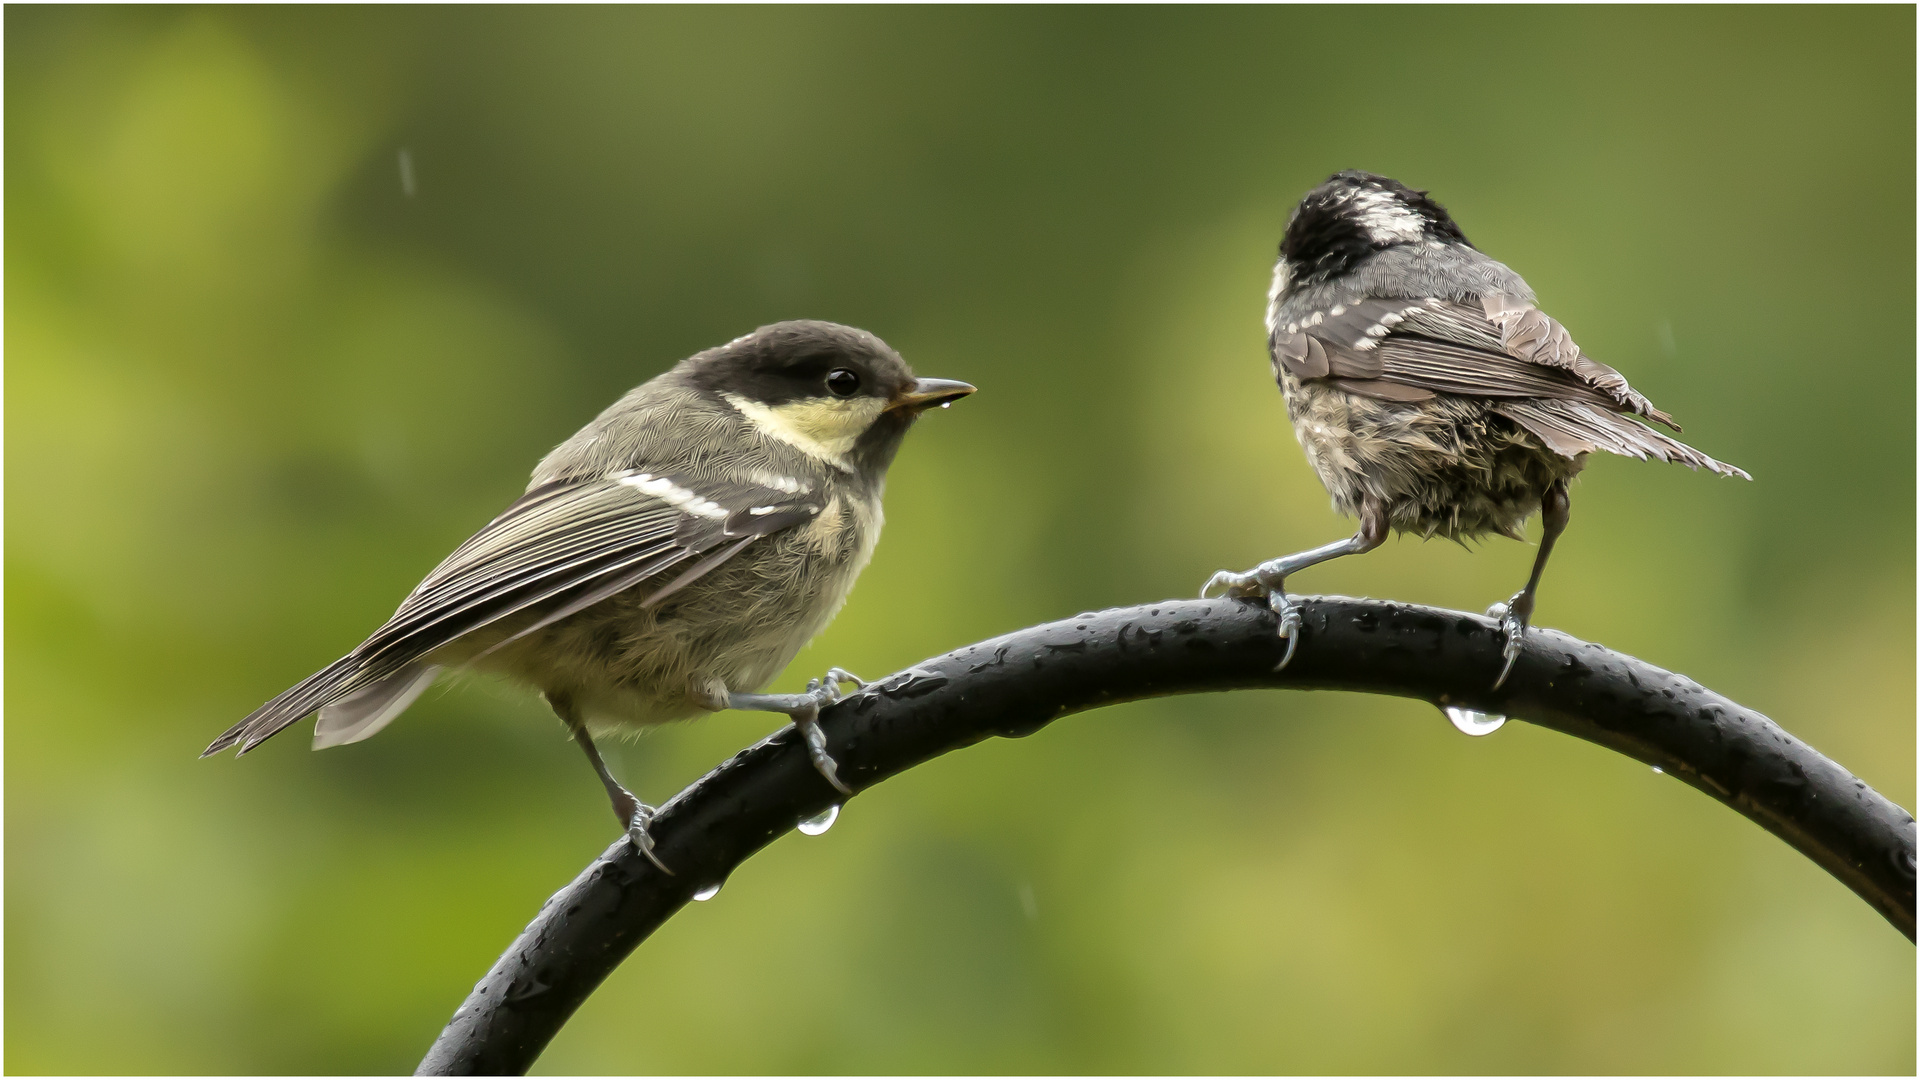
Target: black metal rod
1016,684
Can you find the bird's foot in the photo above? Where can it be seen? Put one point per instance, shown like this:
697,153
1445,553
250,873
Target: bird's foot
1289,623
824,691
804,710
639,818
634,816
809,727
1237,585
1265,580
831,682
1515,615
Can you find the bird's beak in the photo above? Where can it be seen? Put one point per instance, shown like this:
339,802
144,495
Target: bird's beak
926,393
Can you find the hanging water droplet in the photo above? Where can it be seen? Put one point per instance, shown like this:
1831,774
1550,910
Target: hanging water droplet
1660,770
709,892
1473,721
821,821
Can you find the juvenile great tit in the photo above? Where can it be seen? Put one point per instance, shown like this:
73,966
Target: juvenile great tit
667,560
1429,393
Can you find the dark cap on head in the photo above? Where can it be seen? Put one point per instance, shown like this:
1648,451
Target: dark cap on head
835,389
790,361
1355,214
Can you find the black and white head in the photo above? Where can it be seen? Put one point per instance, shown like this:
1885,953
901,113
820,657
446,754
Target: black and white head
836,393
1350,217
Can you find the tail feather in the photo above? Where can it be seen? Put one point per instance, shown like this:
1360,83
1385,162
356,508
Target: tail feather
336,681
1572,428
361,714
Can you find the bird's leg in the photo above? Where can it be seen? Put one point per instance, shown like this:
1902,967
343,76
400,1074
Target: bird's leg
1516,614
802,709
634,815
1270,578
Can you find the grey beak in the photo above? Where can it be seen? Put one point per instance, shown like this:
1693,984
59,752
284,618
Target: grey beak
926,393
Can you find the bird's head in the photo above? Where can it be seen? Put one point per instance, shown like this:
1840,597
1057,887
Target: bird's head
836,393
1351,216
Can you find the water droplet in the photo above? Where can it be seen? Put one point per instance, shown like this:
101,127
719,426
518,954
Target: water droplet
1660,770
709,892
1028,903
1473,721
821,821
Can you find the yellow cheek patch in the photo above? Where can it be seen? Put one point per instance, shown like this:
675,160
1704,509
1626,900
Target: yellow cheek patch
823,428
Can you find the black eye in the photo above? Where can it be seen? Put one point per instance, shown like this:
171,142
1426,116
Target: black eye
843,382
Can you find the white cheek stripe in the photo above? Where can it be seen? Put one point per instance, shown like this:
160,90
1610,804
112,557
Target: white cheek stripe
675,496
775,426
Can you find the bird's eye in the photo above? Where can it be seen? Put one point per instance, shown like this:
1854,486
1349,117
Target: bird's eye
843,382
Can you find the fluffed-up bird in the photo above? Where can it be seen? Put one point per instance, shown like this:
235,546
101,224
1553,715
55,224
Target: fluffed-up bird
668,560
1430,395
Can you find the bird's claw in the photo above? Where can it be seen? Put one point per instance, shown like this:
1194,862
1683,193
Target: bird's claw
804,710
826,689
642,839
1289,623
1261,581
808,724
1232,584
1514,616
842,675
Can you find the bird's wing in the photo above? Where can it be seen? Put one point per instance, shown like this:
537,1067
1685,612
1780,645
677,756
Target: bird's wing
561,547
1571,429
1409,350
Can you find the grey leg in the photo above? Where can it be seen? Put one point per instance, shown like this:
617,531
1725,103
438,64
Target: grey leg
804,711
1555,511
1270,578
634,815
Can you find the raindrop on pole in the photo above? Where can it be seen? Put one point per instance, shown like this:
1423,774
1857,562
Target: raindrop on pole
1473,721
821,821
406,172
708,892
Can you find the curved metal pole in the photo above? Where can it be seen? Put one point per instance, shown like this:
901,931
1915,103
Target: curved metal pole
1016,684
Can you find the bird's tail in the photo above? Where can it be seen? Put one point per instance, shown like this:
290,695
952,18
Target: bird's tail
354,701
1573,428
361,714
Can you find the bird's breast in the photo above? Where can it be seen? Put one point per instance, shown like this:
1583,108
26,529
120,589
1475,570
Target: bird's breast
845,533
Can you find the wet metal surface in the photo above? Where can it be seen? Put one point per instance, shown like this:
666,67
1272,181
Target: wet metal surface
1014,685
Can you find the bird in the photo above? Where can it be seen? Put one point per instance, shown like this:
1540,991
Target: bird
1430,394
667,561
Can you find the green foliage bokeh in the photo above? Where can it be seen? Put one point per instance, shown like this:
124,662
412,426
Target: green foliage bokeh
255,389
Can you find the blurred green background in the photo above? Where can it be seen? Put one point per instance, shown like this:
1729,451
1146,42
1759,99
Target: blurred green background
255,389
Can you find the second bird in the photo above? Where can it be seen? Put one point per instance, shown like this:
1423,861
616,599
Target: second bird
668,560
1428,392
